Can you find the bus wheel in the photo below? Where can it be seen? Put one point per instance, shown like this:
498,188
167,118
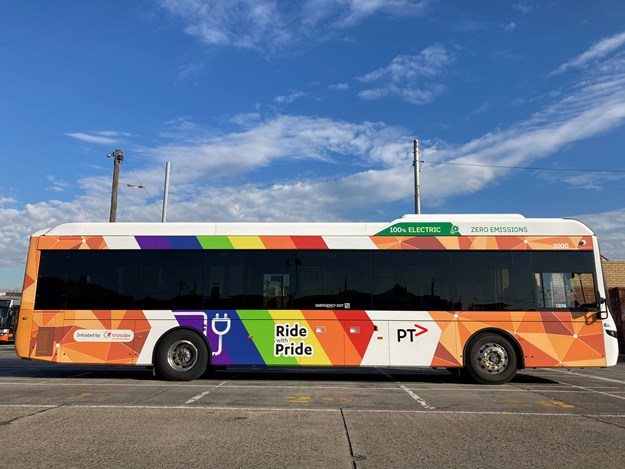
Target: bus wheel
182,356
491,359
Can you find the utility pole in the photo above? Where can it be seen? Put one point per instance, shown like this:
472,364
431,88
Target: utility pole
417,185
118,157
166,192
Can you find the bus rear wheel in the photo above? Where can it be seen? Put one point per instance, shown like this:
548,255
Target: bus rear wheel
181,356
491,359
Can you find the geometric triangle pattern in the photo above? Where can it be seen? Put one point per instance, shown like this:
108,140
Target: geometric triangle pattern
547,339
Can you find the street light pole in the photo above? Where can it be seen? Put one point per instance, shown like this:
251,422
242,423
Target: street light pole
118,157
166,192
417,185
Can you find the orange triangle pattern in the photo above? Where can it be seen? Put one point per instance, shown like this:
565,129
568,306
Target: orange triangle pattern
547,339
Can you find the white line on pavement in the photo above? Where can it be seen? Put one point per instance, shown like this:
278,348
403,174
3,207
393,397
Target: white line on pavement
201,395
417,398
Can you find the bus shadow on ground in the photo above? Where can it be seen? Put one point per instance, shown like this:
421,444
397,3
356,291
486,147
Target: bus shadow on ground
425,376
43,370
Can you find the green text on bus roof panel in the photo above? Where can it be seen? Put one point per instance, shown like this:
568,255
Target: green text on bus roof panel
420,229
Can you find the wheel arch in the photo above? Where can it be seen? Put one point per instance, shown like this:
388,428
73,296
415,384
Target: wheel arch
518,350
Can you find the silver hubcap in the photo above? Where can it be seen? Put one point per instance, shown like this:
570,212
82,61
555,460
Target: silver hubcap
182,355
492,358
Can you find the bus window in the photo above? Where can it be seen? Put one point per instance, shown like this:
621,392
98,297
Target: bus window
565,290
225,279
170,280
101,279
52,280
492,281
331,280
408,281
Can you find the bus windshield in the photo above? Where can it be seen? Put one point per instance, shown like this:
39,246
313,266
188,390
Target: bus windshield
4,314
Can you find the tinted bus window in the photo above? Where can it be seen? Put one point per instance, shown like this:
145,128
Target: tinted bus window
170,280
102,279
52,280
492,281
412,280
225,279
331,279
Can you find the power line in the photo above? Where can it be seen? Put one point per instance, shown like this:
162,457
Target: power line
142,186
577,170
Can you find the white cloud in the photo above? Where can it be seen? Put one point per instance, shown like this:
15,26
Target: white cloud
269,24
292,96
510,27
410,76
56,184
339,87
610,230
345,13
104,137
241,23
524,7
598,50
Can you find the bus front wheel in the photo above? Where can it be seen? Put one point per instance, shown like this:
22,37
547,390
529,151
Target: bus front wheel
491,359
181,356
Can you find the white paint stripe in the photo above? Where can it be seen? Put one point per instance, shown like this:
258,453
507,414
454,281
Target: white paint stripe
47,406
421,401
201,395
417,398
198,397
596,392
325,410
582,375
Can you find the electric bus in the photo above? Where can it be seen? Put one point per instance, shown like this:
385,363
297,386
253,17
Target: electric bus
483,294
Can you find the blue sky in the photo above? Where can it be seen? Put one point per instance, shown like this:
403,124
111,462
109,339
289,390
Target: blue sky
306,110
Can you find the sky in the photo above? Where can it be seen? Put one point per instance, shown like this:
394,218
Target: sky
306,110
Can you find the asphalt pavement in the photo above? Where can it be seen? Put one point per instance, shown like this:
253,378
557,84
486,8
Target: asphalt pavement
91,416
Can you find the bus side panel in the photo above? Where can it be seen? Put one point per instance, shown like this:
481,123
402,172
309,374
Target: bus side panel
102,336
25,318
563,339
547,339
415,338
275,337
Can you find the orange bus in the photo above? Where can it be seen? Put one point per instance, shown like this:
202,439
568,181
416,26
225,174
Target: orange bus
9,309
485,294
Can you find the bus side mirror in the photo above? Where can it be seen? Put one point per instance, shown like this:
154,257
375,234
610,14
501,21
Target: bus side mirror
603,312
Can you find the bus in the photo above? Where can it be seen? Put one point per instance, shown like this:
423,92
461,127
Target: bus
485,295
9,310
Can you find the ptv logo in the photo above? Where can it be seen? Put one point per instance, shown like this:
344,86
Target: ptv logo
410,334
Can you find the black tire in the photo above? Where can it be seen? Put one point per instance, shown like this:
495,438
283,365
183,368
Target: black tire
181,356
491,359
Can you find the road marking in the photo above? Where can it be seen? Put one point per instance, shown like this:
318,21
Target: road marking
82,395
201,395
574,373
412,394
564,405
597,392
298,399
293,409
424,404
